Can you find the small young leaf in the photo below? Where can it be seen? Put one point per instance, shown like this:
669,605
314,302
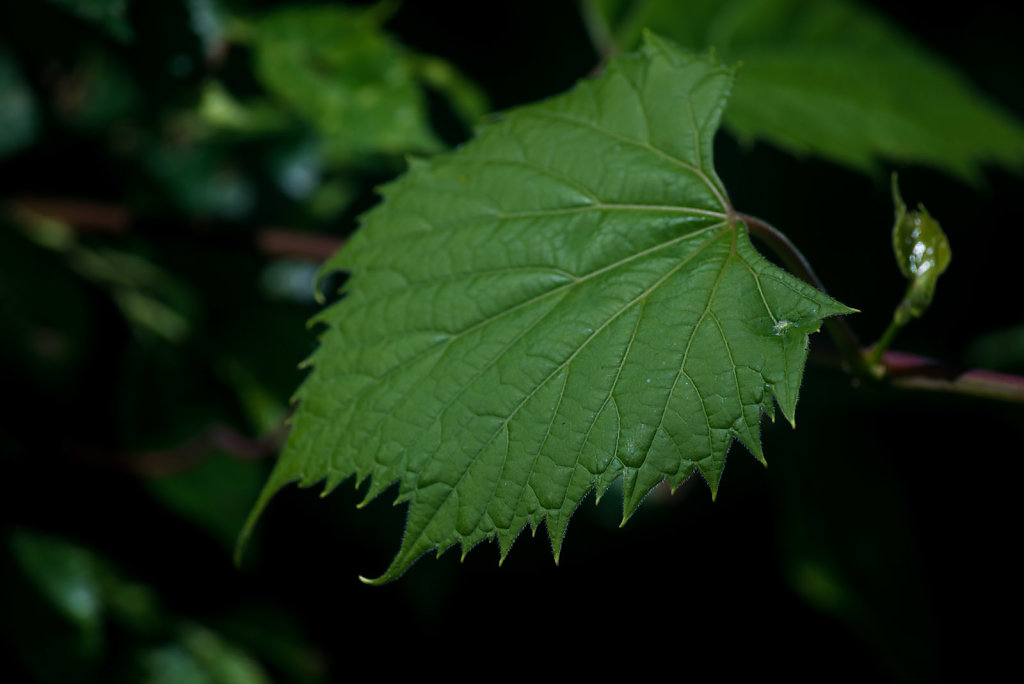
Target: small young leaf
564,301
921,249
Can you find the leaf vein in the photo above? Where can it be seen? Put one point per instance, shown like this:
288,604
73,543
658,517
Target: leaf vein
695,170
608,398
686,355
469,462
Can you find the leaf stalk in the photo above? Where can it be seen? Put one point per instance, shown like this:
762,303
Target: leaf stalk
899,369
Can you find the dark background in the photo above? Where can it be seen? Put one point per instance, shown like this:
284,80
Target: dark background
878,545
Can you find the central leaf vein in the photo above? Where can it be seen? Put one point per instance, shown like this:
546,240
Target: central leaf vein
695,170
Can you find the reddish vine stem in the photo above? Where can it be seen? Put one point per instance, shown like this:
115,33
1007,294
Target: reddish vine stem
87,216
899,369
917,372
158,463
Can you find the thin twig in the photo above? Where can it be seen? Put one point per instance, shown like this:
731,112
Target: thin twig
88,216
281,242
896,368
85,216
158,463
599,32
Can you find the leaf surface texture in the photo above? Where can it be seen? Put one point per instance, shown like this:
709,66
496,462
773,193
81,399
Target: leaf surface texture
566,300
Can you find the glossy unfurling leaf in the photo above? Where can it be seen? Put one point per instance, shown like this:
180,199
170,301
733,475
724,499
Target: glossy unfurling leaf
921,249
566,300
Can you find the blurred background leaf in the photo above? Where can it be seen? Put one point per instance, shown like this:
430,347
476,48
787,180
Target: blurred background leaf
835,79
345,78
78,602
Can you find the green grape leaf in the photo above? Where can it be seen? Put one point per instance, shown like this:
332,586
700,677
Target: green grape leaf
837,80
566,300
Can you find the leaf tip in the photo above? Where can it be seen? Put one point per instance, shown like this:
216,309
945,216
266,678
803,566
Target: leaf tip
366,500
383,579
713,485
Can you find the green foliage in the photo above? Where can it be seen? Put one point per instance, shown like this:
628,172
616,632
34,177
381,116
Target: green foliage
69,582
567,300
80,600
835,79
351,81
